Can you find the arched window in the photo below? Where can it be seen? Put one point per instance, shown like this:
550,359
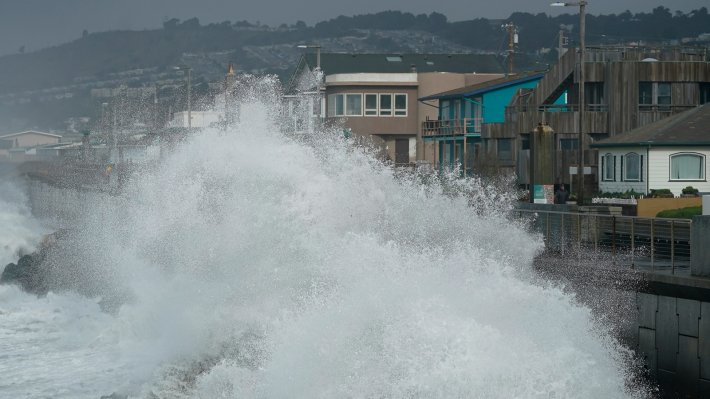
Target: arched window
608,167
687,166
633,164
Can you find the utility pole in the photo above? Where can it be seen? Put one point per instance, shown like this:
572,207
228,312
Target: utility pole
581,140
512,41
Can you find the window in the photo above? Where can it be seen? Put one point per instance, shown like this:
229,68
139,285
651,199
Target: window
525,143
370,104
687,166
353,104
336,105
400,105
569,144
505,149
594,95
704,93
632,167
444,110
663,96
345,105
645,93
608,167
385,105
656,94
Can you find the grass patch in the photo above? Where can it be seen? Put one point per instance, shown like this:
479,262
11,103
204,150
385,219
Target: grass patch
682,213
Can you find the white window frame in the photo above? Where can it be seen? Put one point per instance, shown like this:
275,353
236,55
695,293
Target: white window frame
347,109
376,110
695,154
394,105
626,166
379,104
605,166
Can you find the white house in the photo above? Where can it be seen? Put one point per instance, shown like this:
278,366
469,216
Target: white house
15,145
671,153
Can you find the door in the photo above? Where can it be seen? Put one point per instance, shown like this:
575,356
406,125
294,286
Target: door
401,151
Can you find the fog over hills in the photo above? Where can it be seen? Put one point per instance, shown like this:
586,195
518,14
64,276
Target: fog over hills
46,88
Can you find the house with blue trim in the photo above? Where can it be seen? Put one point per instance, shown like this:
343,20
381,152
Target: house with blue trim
467,117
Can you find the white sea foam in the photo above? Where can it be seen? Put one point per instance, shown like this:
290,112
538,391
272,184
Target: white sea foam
255,265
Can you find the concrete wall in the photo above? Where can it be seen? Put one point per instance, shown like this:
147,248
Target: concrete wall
674,341
700,248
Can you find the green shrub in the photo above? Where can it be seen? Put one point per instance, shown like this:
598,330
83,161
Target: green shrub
690,190
682,213
661,193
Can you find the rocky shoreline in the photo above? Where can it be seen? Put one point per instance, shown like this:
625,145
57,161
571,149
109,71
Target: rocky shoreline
56,267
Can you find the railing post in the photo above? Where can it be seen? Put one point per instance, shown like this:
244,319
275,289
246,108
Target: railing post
653,246
547,229
562,233
633,242
672,247
613,236
579,236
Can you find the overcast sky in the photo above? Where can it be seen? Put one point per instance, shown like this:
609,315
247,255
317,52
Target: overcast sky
40,23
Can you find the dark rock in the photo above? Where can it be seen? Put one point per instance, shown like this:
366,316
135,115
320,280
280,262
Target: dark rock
27,273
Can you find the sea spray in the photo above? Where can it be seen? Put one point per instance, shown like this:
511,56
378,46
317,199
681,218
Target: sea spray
254,263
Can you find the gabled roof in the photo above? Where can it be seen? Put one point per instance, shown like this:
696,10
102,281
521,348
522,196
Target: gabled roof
7,136
485,87
335,63
691,127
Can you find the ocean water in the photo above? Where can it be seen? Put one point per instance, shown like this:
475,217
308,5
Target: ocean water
256,264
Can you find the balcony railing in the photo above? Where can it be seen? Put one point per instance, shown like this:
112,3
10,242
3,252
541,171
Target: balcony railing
451,127
558,108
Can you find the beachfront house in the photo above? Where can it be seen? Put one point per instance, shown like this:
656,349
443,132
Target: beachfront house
668,154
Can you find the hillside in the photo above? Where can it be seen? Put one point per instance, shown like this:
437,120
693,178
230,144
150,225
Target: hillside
43,88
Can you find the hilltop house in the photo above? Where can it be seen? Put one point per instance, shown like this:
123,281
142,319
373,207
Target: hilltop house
671,153
376,95
465,117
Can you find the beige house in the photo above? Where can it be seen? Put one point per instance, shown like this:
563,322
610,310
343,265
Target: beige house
375,95
15,145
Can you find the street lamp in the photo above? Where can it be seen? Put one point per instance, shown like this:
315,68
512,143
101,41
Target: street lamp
580,159
189,89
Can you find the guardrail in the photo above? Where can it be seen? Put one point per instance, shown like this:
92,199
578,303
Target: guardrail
652,244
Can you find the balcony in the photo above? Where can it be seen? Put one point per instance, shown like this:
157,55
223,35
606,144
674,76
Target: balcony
452,127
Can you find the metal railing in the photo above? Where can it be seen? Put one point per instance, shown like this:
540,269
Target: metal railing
450,127
557,108
649,244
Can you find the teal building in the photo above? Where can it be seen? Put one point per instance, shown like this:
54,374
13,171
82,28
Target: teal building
465,113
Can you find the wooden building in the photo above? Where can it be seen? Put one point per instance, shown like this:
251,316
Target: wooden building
625,88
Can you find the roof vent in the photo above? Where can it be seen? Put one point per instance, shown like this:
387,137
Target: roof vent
394,58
